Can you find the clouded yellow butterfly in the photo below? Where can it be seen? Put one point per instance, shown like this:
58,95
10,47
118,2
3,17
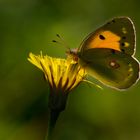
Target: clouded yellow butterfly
108,54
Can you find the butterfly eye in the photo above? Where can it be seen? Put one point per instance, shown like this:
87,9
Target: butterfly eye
113,64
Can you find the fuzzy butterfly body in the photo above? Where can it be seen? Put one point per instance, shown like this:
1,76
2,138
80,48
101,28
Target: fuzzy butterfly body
108,54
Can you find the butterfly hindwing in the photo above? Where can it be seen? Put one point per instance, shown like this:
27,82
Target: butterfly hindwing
113,68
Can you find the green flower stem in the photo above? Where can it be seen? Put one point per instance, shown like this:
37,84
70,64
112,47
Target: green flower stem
56,105
57,101
53,116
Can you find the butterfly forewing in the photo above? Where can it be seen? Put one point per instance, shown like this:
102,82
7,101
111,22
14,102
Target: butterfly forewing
117,34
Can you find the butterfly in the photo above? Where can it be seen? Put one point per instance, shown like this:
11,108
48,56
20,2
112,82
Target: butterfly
108,54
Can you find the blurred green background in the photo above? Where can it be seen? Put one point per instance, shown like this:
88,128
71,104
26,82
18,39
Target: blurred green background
91,114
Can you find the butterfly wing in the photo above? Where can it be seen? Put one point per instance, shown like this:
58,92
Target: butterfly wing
117,34
113,68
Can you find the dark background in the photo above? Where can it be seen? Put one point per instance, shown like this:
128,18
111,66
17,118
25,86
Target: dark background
91,114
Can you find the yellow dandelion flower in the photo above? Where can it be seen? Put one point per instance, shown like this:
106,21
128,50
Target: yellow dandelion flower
62,75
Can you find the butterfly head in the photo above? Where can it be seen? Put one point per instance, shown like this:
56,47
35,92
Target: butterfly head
72,54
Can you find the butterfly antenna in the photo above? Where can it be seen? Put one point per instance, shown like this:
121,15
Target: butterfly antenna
55,41
62,42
